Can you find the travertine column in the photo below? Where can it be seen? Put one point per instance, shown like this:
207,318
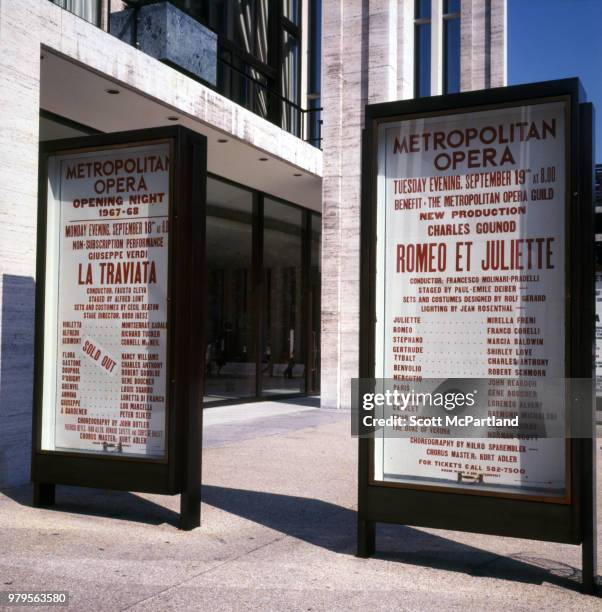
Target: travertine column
382,50
360,60
483,44
368,57
436,47
19,101
405,50
499,46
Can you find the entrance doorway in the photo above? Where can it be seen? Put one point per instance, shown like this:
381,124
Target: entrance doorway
263,296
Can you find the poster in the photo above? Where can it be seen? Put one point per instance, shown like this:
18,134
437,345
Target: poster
470,283
105,327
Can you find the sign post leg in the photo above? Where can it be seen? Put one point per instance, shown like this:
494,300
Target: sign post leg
589,565
366,538
190,510
588,555
43,494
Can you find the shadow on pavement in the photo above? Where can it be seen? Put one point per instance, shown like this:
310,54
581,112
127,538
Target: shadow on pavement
121,505
322,524
333,527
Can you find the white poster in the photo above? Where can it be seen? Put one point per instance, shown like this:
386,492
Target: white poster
471,284
105,340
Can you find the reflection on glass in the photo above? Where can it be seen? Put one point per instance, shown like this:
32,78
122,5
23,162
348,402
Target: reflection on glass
86,9
291,10
423,59
451,6
229,358
422,9
451,37
290,83
250,19
283,345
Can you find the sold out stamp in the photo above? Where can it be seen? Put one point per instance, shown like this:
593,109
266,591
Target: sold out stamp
99,355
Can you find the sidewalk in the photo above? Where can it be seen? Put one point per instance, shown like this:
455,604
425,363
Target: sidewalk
278,533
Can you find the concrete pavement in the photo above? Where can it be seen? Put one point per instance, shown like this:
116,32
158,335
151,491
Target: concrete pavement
278,533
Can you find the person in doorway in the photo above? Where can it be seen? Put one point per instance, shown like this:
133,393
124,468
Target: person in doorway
220,360
209,359
288,372
269,368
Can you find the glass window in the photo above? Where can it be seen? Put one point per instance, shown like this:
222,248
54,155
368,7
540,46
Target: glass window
283,346
451,46
451,6
292,10
291,120
422,48
290,69
259,60
422,59
86,9
451,49
213,13
422,9
229,356
245,23
314,102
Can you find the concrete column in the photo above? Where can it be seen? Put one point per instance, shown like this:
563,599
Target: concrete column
382,50
483,44
405,50
361,52
332,100
499,46
19,101
344,92
368,57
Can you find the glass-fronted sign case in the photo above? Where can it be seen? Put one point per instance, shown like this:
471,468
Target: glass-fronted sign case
105,322
118,369
477,263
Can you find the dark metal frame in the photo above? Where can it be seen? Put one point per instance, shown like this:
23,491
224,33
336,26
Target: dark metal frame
180,471
572,522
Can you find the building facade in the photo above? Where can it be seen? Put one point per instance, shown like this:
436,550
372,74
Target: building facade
278,88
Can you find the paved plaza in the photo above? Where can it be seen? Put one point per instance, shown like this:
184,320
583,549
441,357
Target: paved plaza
278,533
